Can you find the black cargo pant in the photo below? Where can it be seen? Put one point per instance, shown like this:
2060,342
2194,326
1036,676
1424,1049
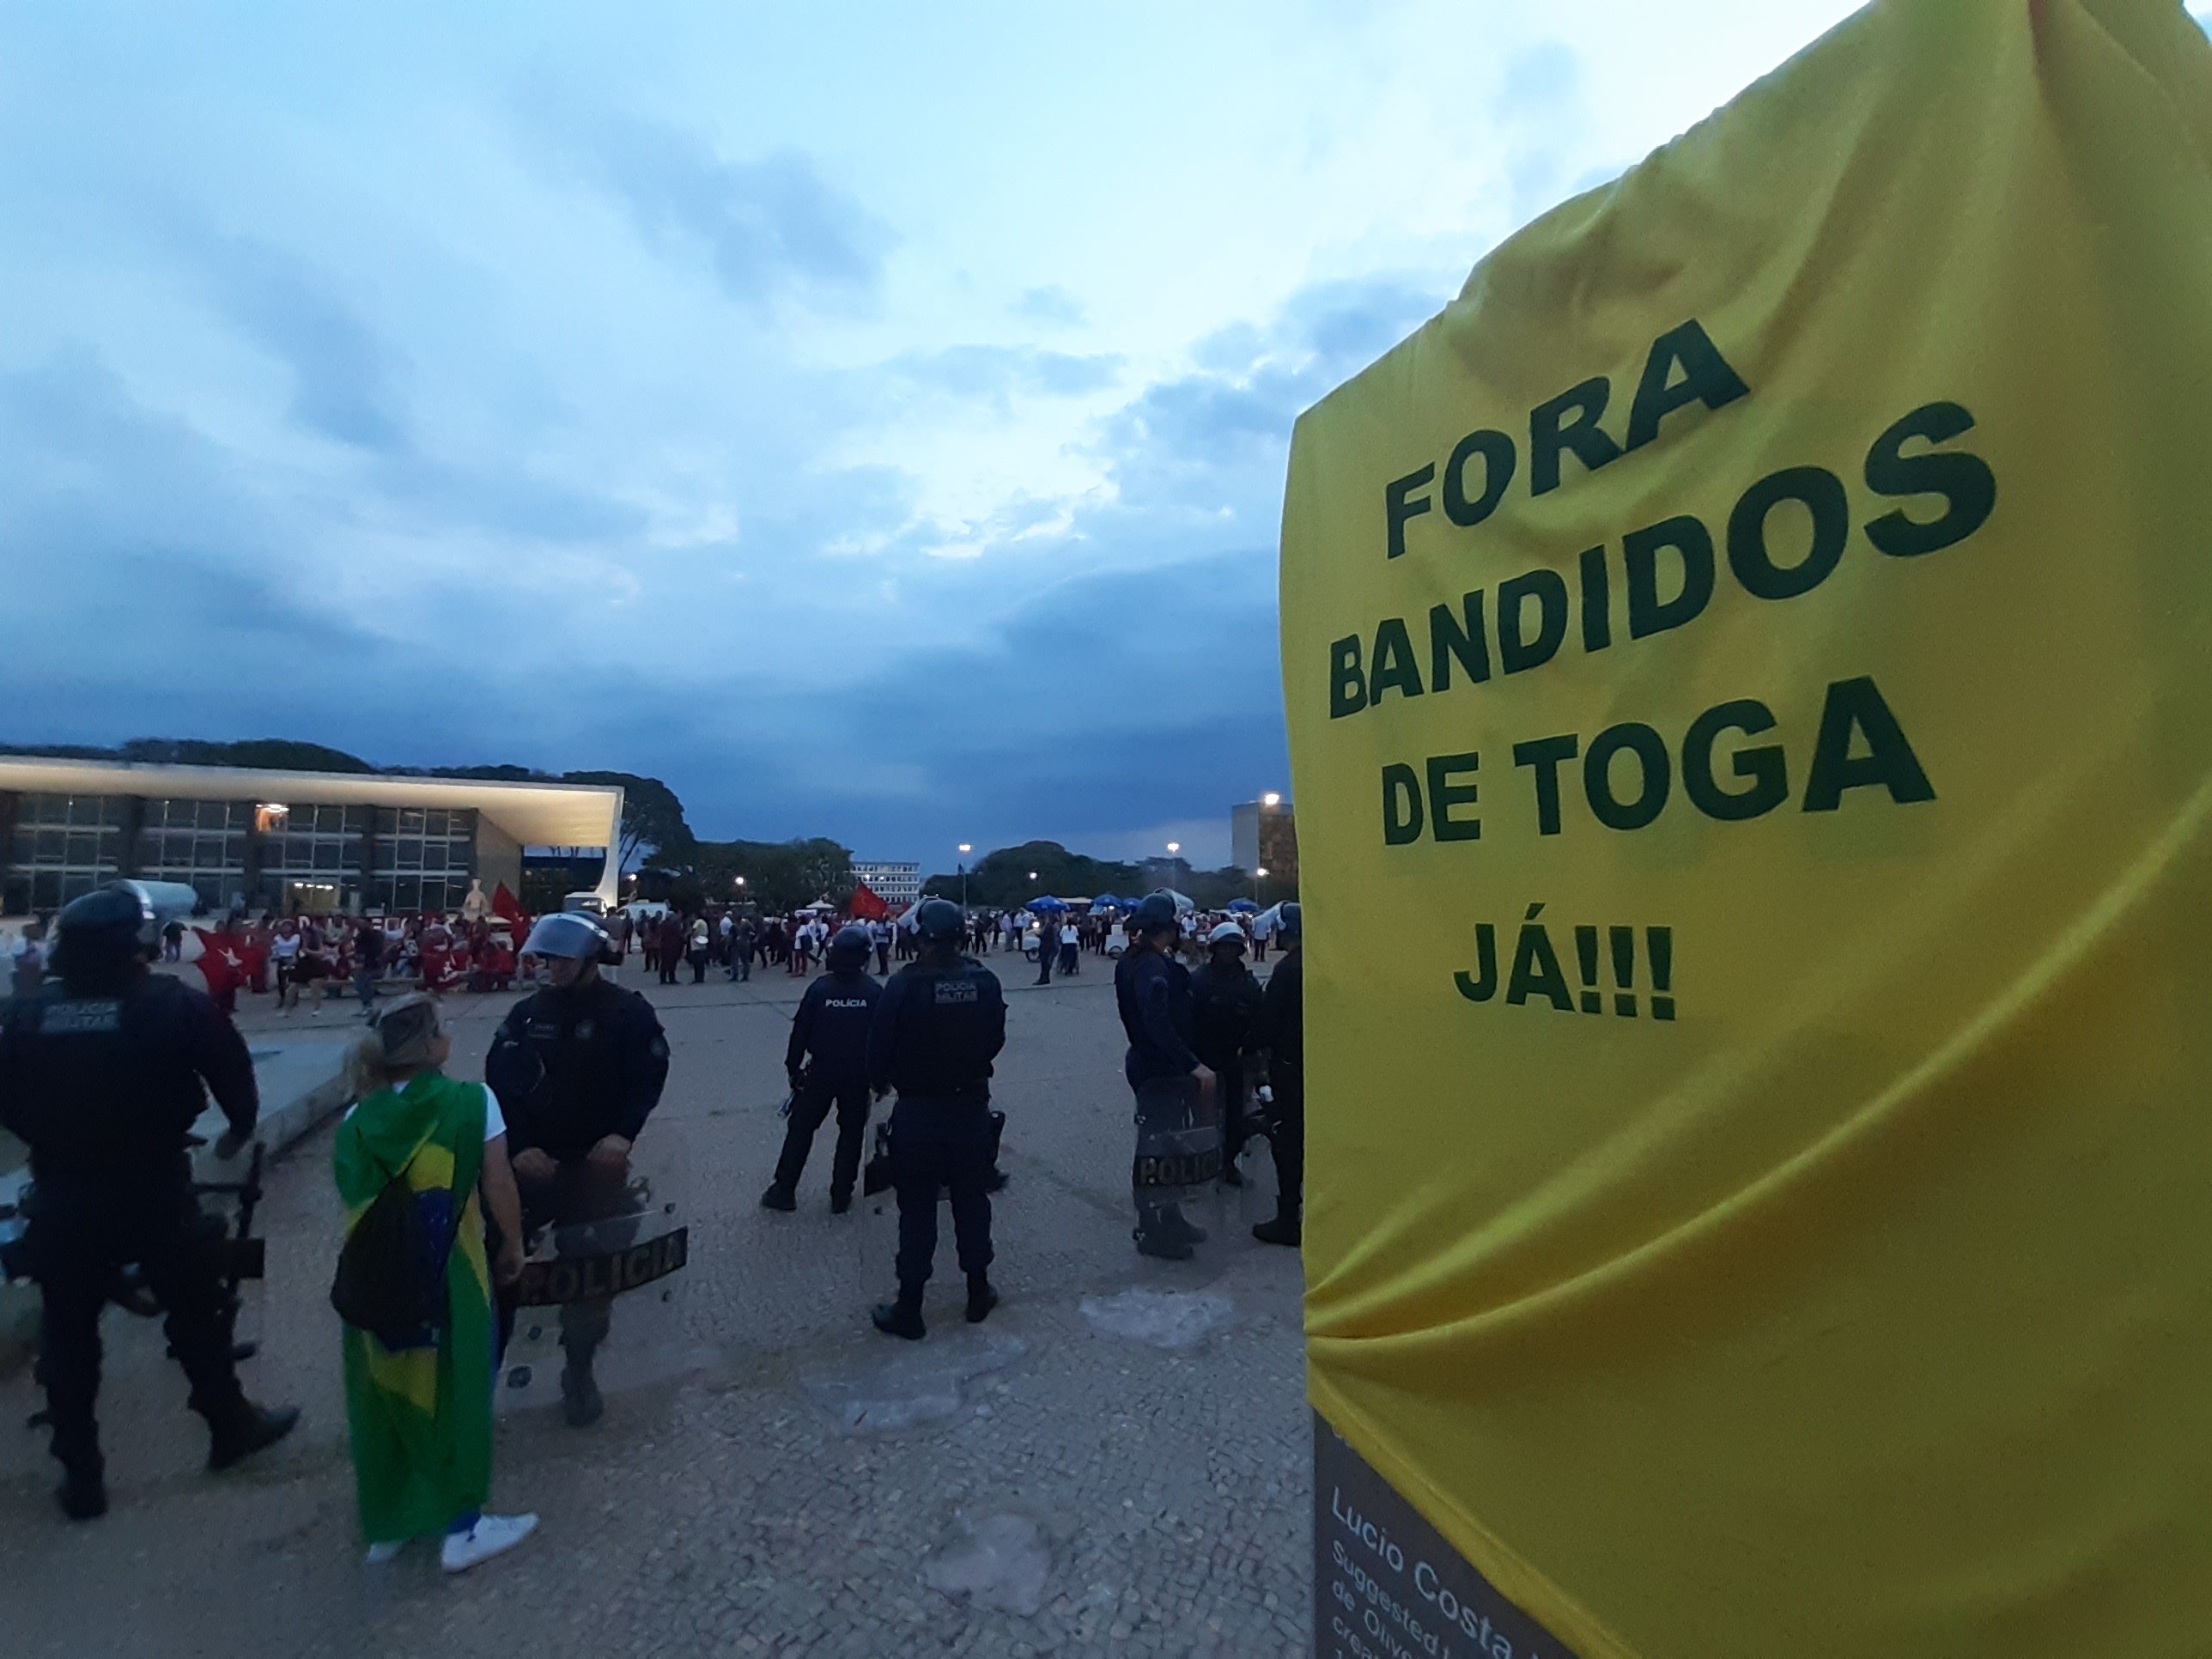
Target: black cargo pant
943,1142
1288,1142
810,1106
81,1240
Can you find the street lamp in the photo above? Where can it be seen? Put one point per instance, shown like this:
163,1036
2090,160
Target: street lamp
1270,799
1174,846
966,848
1258,876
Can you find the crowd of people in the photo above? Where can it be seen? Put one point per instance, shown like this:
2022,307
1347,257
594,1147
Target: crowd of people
446,1182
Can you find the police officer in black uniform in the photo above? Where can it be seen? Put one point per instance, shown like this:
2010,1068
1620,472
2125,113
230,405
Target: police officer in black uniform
1283,1034
939,1024
1224,1017
103,1077
1170,1082
578,1068
831,1030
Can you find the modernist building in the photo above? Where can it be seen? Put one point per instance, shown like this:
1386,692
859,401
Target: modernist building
308,841
1263,835
895,884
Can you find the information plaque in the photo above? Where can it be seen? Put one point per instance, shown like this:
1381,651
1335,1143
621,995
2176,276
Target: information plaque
1388,1586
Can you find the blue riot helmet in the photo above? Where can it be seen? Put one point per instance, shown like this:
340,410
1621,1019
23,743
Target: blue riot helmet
1156,915
940,921
853,944
98,937
567,933
1293,921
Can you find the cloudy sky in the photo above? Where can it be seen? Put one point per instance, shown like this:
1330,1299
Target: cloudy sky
876,431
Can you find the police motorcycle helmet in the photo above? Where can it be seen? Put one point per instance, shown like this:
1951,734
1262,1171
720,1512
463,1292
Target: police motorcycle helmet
939,920
853,943
570,933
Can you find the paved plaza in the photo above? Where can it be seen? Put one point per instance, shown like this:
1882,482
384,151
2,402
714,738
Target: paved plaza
1118,1462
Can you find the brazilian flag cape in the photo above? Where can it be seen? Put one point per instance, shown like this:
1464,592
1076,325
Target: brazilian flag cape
420,1416
1749,671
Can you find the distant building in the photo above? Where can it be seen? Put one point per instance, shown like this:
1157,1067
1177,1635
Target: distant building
317,842
1263,835
894,882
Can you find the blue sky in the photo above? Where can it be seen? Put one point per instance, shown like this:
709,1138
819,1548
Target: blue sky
875,431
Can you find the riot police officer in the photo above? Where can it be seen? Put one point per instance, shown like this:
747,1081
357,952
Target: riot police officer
102,1078
831,1030
578,1068
938,1025
1282,1033
1224,1017
1171,1083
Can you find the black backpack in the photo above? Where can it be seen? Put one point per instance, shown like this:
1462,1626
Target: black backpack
391,1279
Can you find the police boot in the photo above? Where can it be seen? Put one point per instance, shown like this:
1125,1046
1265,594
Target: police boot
841,1200
904,1316
579,1391
238,1434
778,1197
981,1299
1155,1237
82,1493
1176,1225
1284,1229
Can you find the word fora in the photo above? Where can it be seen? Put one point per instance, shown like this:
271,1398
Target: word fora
1433,800
1536,971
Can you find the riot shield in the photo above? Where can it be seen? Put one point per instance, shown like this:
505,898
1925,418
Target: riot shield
603,1278
1178,1152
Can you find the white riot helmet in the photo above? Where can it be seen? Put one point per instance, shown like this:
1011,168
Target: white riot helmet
567,933
1227,933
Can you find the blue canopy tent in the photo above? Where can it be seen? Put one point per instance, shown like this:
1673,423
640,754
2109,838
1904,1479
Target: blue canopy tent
1046,906
1245,907
1106,902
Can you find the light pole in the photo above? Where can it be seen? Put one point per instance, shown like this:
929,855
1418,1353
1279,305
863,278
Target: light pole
966,848
1258,876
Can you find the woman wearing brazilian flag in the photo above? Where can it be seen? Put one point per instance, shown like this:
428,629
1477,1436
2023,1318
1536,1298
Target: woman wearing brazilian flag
418,1161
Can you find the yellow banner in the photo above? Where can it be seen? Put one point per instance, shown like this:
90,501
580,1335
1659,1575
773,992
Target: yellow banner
1749,666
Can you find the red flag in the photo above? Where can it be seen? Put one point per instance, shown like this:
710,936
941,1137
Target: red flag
503,906
225,965
865,905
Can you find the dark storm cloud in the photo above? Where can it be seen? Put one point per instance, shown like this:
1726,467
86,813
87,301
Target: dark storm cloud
343,375
1128,696
160,578
1209,437
770,228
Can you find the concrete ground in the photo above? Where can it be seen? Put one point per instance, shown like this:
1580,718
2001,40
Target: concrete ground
1118,1462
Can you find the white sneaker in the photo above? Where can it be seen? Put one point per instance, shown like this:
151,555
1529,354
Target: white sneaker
383,1554
493,1534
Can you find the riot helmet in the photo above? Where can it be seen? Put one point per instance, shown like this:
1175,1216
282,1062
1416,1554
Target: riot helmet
940,921
852,947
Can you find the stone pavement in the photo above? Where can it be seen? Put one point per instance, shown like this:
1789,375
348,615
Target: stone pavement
1118,1462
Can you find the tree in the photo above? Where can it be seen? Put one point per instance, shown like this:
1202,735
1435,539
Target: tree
652,819
780,875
